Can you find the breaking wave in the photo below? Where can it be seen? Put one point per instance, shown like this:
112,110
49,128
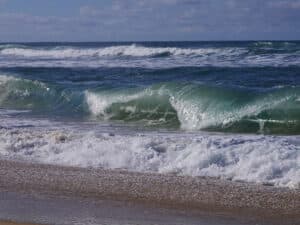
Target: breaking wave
281,54
125,50
18,93
147,107
196,107
185,106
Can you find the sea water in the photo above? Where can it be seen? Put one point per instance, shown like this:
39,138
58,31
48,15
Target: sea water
222,109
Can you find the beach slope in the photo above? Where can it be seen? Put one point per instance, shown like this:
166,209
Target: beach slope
197,194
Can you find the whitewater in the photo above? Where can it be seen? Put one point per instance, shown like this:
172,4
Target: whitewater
157,56
229,110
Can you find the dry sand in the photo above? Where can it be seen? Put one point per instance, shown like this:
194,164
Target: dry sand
194,194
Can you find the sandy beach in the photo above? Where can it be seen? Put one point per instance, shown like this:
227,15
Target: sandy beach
13,223
196,195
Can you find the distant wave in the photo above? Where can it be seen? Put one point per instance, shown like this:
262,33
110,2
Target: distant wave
274,44
8,46
257,54
126,50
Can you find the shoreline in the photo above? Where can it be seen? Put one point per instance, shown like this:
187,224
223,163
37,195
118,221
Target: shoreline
195,194
14,223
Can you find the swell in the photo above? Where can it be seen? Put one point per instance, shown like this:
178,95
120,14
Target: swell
46,98
200,107
146,50
170,105
149,55
259,78
123,50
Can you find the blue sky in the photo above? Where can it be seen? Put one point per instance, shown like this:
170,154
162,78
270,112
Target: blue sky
138,20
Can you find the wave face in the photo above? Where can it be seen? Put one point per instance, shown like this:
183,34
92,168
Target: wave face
169,105
243,87
197,107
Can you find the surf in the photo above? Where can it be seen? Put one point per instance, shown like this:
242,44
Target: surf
185,106
151,55
122,50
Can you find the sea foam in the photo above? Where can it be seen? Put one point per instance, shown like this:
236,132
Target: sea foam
124,50
138,55
273,160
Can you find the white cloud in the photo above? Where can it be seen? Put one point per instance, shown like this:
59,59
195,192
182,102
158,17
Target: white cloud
159,20
286,4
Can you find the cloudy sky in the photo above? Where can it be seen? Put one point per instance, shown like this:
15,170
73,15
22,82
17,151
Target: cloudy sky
137,20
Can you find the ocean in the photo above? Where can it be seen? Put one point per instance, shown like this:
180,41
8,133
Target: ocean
221,109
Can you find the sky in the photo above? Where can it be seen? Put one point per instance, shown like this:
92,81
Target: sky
148,20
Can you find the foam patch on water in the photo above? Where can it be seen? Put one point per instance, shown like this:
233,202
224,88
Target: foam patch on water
252,158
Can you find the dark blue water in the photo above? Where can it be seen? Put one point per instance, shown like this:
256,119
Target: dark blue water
245,87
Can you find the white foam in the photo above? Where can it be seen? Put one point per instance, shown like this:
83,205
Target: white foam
194,113
6,78
197,114
125,50
267,43
98,103
7,86
141,56
252,158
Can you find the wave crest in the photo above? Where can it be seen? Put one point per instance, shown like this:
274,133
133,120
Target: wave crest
125,50
185,106
17,93
194,107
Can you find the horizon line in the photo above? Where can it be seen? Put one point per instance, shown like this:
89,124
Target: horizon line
130,41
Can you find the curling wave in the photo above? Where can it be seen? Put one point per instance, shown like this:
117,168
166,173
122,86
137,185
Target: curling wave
186,106
18,93
128,106
199,107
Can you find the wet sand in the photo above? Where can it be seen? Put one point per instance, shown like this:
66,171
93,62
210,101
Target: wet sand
47,209
188,199
13,223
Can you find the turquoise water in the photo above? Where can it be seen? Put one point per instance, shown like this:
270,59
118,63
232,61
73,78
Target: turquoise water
244,87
